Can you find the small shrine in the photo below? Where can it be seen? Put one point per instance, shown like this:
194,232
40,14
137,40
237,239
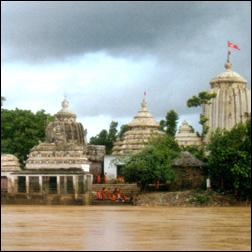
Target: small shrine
186,137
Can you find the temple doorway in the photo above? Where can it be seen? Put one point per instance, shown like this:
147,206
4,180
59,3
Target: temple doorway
52,185
21,184
119,170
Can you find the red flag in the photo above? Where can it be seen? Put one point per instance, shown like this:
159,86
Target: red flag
230,44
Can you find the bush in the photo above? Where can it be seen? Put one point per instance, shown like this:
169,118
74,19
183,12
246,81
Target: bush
199,198
230,160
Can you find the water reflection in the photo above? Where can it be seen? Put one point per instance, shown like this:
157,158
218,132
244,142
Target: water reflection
124,228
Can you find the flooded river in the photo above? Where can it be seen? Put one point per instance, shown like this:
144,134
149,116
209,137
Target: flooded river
124,228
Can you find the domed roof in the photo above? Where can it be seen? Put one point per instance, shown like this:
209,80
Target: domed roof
9,163
65,129
143,118
141,129
228,76
65,113
185,127
185,135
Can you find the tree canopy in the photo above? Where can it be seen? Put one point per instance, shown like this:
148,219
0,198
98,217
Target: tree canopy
230,159
153,163
106,138
169,125
21,130
199,100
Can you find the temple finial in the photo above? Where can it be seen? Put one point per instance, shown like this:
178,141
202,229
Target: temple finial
228,64
144,103
65,104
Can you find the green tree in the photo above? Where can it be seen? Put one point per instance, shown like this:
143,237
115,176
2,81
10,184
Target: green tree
169,125
196,101
162,125
21,130
112,135
106,138
100,139
230,159
153,163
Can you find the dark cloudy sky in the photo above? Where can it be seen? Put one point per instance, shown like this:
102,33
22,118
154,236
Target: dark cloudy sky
104,55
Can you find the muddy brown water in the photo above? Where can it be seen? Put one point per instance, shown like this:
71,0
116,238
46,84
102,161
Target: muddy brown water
72,228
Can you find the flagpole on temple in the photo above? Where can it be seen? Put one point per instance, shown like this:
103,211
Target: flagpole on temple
228,56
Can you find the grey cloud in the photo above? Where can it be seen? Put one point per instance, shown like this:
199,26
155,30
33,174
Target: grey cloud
187,38
54,30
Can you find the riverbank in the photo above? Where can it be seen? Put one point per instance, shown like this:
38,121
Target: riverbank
190,198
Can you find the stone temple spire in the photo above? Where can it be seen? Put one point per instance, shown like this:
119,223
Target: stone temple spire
140,130
65,105
232,103
144,104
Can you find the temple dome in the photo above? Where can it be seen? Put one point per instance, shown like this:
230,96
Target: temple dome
143,118
232,103
9,163
65,129
185,127
65,114
228,76
141,129
65,145
186,137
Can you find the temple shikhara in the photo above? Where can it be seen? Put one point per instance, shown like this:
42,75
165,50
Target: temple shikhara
140,130
232,103
186,137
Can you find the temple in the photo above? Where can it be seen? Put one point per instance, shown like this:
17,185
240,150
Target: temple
61,165
140,130
186,137
232,103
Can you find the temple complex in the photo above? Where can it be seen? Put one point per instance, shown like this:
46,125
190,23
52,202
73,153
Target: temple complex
186,137
141,129
232,103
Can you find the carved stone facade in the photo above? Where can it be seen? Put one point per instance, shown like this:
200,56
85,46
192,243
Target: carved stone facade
141,129
58,169
186,137
232,103
65,145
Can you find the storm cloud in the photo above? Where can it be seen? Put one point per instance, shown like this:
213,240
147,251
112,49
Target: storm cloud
170,49
55,30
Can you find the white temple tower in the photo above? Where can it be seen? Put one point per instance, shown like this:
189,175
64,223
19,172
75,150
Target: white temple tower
232,103
141,129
